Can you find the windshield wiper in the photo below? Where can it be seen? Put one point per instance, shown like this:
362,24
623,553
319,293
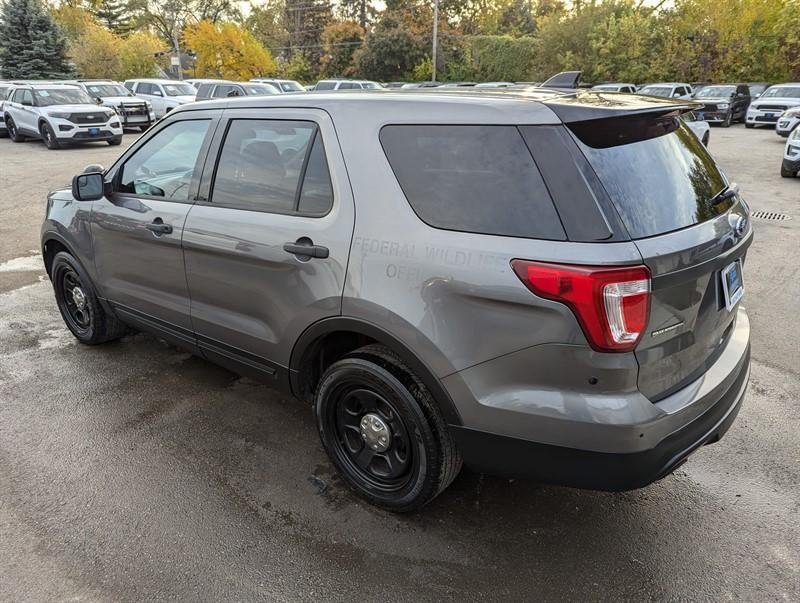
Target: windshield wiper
726,193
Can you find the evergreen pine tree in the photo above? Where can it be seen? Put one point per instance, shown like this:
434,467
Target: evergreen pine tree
114,14
31,44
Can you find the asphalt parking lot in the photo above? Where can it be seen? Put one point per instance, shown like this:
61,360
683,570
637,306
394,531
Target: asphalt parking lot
134,471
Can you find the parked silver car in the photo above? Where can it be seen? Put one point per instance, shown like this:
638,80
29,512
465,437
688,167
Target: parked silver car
543,285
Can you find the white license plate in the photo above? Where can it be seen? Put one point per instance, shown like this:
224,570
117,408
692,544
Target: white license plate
732,284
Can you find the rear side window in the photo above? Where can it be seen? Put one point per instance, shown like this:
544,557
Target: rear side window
226,91
659,176
325,86
478,179
262,163
204,91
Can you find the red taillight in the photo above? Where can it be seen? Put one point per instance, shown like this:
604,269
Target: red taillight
611,304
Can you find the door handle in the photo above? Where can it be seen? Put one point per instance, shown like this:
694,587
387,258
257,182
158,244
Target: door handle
305,249
158,227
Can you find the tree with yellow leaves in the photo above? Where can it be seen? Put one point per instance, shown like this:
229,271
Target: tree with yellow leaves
227,51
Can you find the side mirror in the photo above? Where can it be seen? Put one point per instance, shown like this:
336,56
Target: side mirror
88,187
98,100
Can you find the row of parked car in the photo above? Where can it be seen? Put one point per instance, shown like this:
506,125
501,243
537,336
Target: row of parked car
66,112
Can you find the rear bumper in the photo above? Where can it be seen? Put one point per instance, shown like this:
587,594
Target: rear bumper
519,458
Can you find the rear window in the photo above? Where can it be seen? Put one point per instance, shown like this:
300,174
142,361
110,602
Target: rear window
325,86
659,176
478,179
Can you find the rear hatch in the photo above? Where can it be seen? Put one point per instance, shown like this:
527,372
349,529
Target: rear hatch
666,190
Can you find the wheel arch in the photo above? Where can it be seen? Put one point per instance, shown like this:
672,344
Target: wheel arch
346,334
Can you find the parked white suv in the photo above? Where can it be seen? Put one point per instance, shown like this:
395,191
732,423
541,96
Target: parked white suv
59,114
164,95
6,88
133,111
668,90
768,108
787,123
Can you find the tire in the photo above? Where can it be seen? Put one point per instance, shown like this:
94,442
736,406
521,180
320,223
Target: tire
48,136
82,313
787,173
727,121
705,139
421,459
115,141
13,133
749,126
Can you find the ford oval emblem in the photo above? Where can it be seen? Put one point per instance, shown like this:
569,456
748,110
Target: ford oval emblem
738,224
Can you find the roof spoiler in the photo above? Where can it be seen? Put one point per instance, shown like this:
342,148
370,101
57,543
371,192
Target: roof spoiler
566,79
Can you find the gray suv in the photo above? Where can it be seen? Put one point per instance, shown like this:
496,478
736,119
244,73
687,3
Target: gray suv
544,285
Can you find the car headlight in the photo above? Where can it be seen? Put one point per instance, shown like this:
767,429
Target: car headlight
59,115
795,135
723,106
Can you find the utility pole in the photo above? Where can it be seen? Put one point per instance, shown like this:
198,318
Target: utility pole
176,61
435,38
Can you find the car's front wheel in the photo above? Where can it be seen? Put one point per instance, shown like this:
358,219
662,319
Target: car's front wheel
79,305
749,126
13,133
115,141
383,431
726,123
786,173
48,136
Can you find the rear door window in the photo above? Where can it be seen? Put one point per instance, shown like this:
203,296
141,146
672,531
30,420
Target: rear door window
262,163
659,177
225,91
325,86
204,91
478,179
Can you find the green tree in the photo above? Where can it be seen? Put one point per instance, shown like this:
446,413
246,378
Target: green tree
390,52
305,21
73,20
96,53
341,40
31,44
266,23
297,68
114,14
137,56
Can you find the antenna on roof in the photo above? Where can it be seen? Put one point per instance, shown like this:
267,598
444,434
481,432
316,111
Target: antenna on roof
565,79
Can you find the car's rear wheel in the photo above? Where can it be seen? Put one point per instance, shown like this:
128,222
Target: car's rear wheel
48,136
13,133
79,305
383,431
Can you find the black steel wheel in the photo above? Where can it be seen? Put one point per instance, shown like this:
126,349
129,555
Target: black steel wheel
383,431
49,137
371,436
13,133
79,305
